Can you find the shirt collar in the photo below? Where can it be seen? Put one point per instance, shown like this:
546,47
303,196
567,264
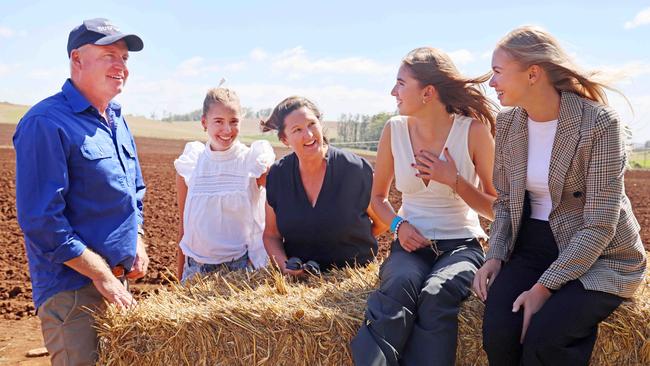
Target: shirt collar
79,103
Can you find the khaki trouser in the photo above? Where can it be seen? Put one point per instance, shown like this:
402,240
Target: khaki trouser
67,326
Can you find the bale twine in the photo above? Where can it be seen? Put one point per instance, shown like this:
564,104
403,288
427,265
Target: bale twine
263,318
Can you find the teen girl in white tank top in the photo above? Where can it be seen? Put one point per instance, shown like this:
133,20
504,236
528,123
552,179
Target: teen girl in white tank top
435,209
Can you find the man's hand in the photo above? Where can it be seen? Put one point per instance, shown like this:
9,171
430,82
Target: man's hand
141,261
114,291
532,300
91,265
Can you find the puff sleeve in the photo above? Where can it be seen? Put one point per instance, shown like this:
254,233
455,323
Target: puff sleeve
260,158
186,163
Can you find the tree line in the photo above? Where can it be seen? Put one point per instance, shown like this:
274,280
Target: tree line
360,131
195,115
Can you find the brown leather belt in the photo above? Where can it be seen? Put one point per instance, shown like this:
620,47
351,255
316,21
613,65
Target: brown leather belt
118,271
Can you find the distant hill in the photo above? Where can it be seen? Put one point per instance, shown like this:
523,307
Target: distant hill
145,127
11,113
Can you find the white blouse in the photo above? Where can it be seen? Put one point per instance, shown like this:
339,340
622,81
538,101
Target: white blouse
224,208
541,136
434,209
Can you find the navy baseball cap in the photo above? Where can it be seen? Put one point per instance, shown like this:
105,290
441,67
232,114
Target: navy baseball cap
101,32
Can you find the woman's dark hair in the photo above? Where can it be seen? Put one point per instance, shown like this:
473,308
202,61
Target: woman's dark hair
275,121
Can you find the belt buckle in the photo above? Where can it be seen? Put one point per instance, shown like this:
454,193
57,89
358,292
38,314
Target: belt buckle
118,271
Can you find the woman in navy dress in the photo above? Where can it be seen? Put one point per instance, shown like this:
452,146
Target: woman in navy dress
317,197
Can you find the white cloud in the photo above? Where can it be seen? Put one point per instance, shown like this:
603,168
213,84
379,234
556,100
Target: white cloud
295,61
173,95
190,67
6,32
12,68
258,54
623,73
461,57
47,73
641,18
638,119
332,100
197,66
235,66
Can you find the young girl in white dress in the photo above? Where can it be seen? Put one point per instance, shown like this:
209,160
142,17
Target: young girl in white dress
220,188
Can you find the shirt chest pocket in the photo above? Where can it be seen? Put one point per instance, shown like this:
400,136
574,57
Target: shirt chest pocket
96,157
129,161
100,157
94,152
96,165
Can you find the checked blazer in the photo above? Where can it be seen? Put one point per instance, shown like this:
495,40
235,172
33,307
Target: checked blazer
591,218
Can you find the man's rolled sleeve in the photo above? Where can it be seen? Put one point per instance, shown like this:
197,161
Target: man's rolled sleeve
67,251
41,185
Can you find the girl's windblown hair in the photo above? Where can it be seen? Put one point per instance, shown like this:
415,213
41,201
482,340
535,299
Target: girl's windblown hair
459,94
530,45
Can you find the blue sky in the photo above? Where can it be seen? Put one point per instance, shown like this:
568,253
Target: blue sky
342,54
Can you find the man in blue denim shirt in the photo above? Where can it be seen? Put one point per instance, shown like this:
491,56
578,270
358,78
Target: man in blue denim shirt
79,192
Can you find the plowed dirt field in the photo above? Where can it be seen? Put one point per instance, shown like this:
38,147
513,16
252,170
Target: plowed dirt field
20,330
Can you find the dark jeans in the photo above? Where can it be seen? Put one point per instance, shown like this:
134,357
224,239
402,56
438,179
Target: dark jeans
413,318
564,330
192,267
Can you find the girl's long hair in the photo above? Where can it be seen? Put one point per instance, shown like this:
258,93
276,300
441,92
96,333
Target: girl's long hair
459,94
530,45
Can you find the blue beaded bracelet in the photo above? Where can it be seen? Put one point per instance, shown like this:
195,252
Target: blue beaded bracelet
395,223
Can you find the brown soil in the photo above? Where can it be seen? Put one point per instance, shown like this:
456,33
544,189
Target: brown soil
19,326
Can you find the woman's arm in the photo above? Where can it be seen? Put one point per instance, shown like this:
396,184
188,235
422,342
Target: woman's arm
383,177
181,195
410,238
378,227
273,243
261,181
481,146
500,229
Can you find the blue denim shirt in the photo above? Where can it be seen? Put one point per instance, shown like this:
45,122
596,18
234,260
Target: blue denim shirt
78,186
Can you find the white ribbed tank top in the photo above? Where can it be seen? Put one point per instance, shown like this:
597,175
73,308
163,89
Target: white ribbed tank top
434,209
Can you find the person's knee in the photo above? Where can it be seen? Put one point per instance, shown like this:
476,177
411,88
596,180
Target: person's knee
540,335
403,286
496,337
500,330
444,291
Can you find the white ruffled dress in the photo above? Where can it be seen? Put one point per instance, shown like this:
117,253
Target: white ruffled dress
224,209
